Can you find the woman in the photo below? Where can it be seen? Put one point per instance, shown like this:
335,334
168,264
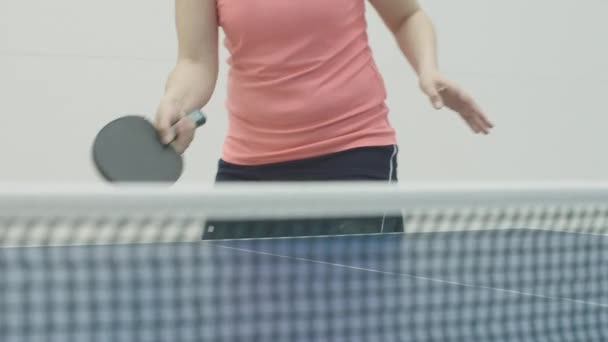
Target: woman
305,98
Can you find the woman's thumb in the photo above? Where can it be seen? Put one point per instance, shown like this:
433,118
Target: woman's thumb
432,90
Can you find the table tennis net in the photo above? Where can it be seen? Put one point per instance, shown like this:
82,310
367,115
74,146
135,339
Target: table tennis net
304,262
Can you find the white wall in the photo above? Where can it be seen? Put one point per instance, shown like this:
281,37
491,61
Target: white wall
538,67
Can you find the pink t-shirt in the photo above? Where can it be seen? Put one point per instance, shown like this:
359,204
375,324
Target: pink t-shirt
302,80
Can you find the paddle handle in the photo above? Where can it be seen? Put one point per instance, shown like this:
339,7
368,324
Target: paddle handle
198,117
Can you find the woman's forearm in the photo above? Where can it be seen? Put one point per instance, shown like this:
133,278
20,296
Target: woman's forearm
191,84
192,81
417,40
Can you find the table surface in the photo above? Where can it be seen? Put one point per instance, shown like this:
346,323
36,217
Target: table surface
507,285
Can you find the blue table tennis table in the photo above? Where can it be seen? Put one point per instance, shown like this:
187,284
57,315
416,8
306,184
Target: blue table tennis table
506,285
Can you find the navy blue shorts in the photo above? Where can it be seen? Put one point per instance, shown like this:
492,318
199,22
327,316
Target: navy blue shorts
375,163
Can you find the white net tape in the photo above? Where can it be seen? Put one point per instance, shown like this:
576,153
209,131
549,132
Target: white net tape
76,212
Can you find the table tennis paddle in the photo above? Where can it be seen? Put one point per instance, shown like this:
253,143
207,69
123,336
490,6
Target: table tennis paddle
128,149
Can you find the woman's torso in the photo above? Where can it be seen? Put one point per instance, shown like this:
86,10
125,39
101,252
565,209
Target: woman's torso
302,80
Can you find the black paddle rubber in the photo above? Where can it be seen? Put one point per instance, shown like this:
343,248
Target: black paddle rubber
128,149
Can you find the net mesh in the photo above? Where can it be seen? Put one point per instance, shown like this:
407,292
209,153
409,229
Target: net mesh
146,263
